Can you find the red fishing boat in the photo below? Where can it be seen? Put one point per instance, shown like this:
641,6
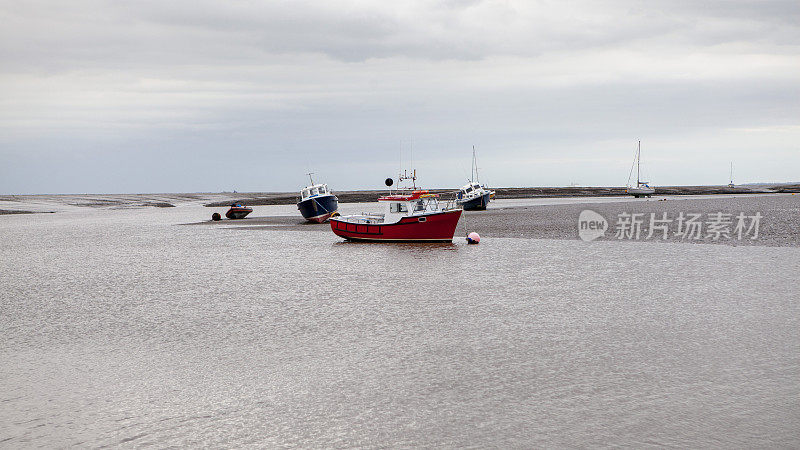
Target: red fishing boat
238,211
407,217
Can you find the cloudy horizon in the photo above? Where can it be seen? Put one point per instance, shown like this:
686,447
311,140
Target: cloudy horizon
202,96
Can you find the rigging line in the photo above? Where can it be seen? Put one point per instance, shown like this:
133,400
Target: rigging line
463,169
400,169
320,205
464,221
631,172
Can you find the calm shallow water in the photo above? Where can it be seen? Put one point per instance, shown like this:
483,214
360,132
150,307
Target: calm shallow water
126,327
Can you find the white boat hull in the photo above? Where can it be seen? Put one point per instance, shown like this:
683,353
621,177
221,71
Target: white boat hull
640,191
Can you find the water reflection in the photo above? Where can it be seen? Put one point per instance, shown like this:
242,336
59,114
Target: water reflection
122,327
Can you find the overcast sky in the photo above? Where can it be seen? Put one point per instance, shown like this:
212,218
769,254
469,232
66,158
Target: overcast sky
190,96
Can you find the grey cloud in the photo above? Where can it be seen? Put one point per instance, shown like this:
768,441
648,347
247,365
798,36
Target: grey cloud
200,32
128,88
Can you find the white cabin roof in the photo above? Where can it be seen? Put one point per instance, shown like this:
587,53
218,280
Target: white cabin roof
472,186
315,190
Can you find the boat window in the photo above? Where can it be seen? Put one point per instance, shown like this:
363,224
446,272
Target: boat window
313,192
305,193
419,206
468,190
398,207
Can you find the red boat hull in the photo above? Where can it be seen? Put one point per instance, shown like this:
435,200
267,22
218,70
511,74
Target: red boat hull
436,227
238,212
319,219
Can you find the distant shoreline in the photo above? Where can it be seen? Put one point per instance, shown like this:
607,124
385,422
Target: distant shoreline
366,196
14,211
48,203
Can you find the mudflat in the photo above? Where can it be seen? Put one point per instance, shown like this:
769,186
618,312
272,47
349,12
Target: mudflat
778,222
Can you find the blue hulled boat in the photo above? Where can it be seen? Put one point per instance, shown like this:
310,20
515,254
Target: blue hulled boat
317,203
474,196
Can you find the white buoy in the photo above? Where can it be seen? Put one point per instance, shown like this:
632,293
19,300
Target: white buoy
473,238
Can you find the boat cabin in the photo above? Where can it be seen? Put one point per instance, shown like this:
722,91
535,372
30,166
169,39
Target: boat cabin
470,187
314,191
414,204
471,190
397,206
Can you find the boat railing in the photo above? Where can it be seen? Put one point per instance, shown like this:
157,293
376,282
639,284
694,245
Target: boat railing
365,218
448,201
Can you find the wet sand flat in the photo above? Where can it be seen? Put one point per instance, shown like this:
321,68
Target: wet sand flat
779,224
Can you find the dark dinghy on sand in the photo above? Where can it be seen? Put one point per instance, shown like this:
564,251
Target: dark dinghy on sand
238,211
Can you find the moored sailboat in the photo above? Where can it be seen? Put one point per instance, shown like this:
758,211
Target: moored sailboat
642,188
730,184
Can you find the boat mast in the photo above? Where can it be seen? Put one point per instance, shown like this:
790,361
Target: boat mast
731,172
403,172
472,166
475,165
309,177
638,162
413,170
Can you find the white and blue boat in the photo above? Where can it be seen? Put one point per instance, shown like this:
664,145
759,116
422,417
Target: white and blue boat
642,188
317,203
474,196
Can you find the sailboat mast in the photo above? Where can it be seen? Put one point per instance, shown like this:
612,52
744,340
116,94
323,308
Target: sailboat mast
638,162
731,172
474,173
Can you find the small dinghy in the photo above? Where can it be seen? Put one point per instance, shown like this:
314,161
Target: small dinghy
238,211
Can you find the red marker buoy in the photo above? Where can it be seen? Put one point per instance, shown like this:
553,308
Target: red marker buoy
473,238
